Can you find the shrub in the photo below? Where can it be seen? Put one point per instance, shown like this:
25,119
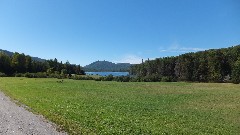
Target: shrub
98,79
118,78
54,75
29,75
78,77
126,78
2,74
135,79
166,79
19,75
109,78
41,75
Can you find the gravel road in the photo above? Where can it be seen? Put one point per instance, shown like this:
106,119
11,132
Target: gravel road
15,120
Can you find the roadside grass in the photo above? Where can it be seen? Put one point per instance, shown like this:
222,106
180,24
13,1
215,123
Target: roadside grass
92,107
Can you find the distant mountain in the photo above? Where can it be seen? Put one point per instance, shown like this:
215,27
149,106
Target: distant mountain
101,66
11,54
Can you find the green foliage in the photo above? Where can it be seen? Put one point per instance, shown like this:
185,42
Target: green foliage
92,107
41,75
166,79
19,75
216,65
184,67
5,63
64,71
29,75
2,74
109,78
236,72
55,75
21,63
35,75
50,70
122,78
82,77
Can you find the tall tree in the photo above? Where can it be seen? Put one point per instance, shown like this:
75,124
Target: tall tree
215,65
28,63
184,67
5,63
19,63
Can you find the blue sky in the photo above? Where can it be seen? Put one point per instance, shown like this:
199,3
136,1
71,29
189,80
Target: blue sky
83,31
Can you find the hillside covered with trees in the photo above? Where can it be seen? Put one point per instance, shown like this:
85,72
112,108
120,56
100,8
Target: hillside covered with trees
15,63
106,66
11,54
215,65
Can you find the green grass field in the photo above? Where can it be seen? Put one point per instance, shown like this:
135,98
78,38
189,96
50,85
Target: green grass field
90,107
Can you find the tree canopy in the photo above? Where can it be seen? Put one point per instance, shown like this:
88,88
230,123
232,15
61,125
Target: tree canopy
215,65
21,63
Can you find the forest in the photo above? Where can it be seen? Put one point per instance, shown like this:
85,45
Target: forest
215,65
18,64
106,66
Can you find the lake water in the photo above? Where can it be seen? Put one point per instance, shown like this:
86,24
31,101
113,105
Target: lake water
108,73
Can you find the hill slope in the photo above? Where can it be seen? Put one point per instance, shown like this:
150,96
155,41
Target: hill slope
101,66
33,58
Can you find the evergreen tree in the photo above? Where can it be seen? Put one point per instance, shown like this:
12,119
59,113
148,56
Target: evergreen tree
5,63
19,63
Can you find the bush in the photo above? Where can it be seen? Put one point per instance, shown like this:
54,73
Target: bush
166,79
55,75
33,75
41,75
122,78
126,78
98,79
29,75
78,77
118,78
109,78
19,75
151,78
3,74
135,79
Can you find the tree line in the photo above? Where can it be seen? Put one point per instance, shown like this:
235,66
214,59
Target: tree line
215,65
18,64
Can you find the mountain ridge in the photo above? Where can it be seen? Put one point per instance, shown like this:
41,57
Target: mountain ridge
9,53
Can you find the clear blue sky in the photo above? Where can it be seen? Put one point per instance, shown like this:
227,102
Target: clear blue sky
83,31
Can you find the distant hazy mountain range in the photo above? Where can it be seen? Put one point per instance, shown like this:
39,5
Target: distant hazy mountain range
33,58
101,66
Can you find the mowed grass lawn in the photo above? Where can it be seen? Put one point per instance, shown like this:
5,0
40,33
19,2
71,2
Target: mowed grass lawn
91,107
